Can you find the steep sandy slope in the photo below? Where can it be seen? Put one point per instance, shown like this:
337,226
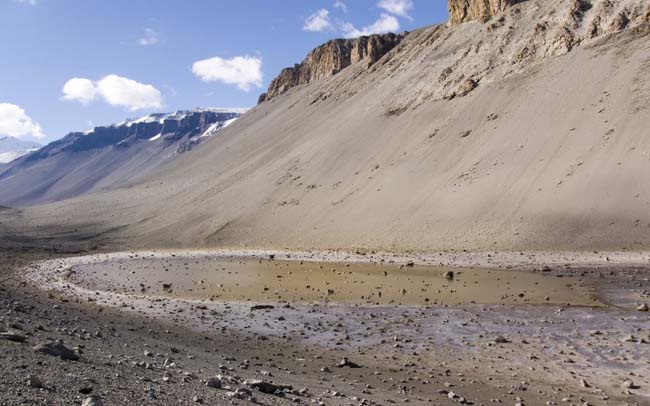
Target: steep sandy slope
549,147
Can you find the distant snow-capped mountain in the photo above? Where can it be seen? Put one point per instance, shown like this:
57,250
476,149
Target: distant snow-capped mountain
12,148
106,156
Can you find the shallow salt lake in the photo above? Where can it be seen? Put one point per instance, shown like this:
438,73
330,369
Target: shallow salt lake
249,279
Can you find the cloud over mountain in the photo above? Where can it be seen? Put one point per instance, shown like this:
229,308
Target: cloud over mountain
15,122
319,21
114,90
243,71
385,23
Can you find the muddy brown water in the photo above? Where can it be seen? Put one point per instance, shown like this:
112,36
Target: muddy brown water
239,279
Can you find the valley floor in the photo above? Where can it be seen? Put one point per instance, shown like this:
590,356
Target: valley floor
146,349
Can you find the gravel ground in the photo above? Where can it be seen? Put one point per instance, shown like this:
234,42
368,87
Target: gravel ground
153,351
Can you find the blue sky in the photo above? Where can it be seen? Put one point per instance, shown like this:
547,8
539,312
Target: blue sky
132,57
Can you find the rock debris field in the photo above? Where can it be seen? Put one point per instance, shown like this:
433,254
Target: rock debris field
132,327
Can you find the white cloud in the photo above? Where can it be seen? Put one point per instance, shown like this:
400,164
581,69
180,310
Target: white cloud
319,21
79,89
16,123
385,23
341,5
398,7
243,71
150,37
114,90
30,2
119,91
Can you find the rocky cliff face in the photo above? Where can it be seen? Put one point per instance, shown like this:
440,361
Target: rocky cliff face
330,58
460,58
461,11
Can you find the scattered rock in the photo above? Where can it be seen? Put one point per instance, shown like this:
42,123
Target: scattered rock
643,307
241,393
93,400
449,275
347,363
466,87
501,340
213,382
262,307
34,381
57,349
12,336
266,387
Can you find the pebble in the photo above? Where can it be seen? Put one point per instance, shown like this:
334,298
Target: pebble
15,337
501,340
34,381
347,363
266,387
213,382
93,401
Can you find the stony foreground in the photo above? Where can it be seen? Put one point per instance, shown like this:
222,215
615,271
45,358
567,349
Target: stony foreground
153,351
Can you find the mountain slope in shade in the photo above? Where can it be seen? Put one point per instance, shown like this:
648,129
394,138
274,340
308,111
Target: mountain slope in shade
12,148
524,129
108,156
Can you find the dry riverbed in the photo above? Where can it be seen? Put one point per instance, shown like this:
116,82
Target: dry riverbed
465,331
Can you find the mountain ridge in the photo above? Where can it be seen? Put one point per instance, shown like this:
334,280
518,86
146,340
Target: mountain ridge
140,144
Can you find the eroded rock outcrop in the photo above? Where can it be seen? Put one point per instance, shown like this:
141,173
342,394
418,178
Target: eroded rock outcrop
461,11
330,58
512,36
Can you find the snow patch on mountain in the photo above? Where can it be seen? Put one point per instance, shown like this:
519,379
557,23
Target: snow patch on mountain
218,126
12,148
7,157
177,115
